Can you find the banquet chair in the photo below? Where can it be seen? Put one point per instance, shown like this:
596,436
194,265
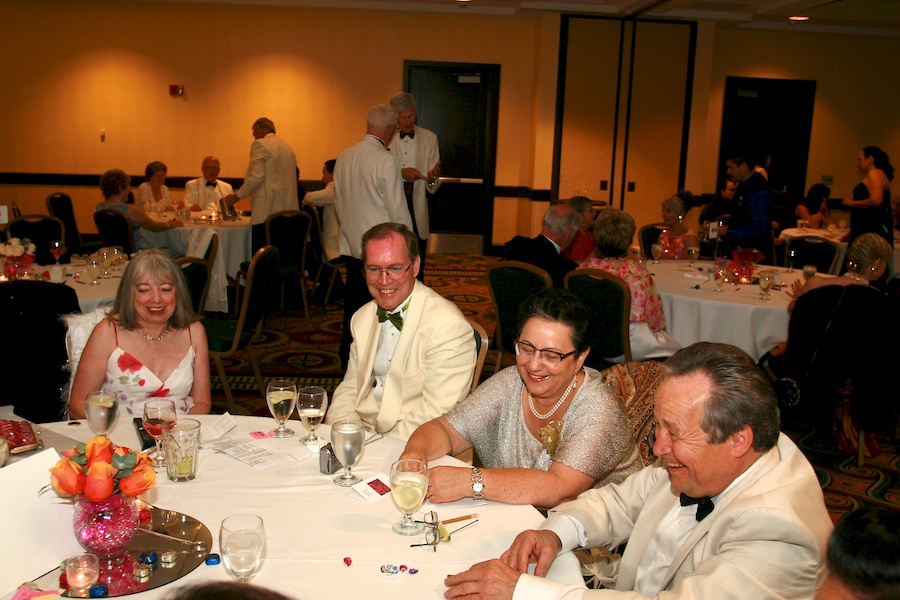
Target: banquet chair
198,272
115,229
288,231
16,211
510,282
227,336
59,205
649,235
814,250
317,242
609,299
481,348
33,359
41,230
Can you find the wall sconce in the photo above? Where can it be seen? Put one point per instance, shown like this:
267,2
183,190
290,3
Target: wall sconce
176,90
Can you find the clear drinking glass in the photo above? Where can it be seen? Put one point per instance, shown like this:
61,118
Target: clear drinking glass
791,257
57,249
82,571
692,253
348,439
809,271
766,280
719,273
242,542
312,402
118,257
94,270
158,414
409,484
281,396
657,251
101,409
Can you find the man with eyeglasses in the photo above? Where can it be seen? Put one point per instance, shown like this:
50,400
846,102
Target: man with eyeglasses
413,352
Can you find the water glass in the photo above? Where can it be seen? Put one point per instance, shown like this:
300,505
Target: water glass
242,542
409,484
281,396
348,439
101,409
181,443
82,571
809,271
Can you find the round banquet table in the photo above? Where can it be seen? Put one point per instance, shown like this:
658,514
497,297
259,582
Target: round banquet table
312,524
787,234
695,312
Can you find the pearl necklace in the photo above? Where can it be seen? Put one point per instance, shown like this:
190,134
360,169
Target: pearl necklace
558,402
153,339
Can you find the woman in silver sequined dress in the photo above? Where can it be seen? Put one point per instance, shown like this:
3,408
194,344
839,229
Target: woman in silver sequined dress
545,430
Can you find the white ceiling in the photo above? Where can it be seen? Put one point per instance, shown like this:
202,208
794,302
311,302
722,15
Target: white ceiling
864,17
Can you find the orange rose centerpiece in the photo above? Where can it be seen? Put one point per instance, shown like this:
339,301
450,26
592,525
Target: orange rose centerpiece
103,481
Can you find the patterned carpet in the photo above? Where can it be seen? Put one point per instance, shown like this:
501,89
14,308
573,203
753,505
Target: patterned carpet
306,351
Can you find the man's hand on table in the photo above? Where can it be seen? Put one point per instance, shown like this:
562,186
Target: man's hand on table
490,579
533,546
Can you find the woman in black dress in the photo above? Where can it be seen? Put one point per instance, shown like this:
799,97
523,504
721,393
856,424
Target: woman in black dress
870,208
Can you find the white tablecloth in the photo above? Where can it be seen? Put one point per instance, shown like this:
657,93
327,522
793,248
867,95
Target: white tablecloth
312,524
789,233
736,316
92,296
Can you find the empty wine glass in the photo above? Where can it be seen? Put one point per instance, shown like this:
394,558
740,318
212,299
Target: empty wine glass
809,271
82,571
348,439
281,396
242,542
791,257
409,484
766,280
656,250
719,273
158,414
118,257
101,409
94,270
57,249
692,253
312,402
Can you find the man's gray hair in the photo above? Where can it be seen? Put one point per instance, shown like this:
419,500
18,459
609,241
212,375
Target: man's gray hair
561,218
264,124
381,116
210,157
403,101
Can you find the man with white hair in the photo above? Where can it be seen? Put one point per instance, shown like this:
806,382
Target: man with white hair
198,193
558,229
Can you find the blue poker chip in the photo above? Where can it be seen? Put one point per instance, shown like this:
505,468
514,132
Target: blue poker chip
149,558
99,590
213,559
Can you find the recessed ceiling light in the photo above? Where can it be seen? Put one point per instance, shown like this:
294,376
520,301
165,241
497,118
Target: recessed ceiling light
798,18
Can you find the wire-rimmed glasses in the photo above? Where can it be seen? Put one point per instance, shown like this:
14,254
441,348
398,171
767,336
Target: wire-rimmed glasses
393,271
433,532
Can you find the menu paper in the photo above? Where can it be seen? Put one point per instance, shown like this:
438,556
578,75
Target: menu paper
251,453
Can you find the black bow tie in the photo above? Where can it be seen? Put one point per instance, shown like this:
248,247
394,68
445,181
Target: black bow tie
411,134
395,318
704,505
212,183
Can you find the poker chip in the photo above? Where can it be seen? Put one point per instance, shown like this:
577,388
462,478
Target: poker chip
213,559
98,590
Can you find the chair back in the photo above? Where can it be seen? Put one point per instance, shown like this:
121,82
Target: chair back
649,235
59,205
254,305
635,384
33,361
316,248
16,211
288,231
609,299
41,230
510,283
115,229
481,348
814,250
198,272
782,218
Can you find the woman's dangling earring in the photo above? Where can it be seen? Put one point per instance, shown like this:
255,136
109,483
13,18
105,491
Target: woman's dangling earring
680,218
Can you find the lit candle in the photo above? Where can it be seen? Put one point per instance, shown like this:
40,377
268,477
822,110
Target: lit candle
3,277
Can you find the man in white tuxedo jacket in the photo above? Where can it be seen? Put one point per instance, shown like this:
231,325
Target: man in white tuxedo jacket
413,352
203,190
730,510
420,165
271,179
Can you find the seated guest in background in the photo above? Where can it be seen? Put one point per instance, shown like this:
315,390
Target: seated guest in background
558,228
153,193
814,208
864,557
676,237
720,207
116,185
413,352
198,193
324,199
730,510
749,225
150,346
613,232
545,430
583,243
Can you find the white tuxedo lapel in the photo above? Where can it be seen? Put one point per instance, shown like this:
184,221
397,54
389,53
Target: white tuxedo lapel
366,347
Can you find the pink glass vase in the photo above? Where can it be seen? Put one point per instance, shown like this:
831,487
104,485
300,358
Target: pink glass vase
17,266
105,528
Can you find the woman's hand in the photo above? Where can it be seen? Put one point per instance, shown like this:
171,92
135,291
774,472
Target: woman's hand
795,289
849,202
446,484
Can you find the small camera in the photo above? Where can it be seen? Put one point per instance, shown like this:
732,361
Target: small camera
328,462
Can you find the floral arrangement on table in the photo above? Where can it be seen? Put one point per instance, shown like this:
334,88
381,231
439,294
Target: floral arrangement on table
103,481
744,260
19,255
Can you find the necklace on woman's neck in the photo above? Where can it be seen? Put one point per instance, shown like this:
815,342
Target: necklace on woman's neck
856,276
150,338
558,402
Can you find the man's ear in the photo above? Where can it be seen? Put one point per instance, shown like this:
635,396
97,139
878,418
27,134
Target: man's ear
741,441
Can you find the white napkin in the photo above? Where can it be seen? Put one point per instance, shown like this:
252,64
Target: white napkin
697,276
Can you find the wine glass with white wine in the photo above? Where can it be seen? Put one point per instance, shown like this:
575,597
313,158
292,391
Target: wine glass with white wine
312,402
94,270
766,280
348,440
281,396
101,409
409,484
692,253
656,250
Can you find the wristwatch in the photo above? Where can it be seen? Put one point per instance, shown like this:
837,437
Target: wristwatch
477,484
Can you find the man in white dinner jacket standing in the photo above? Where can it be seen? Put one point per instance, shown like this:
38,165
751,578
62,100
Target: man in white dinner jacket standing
271,179
413,352
420,165
198,193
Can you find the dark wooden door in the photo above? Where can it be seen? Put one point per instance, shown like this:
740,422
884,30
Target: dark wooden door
460,103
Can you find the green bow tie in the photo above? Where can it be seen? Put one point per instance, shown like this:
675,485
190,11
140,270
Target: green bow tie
395,318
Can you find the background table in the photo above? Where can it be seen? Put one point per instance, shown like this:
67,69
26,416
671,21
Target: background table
312,524
92,296
736,316
787,234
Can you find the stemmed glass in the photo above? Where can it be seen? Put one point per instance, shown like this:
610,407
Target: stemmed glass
791,257
118,257
94,270
766,279
104,255
101,409
719,272
158,414
281,396
311,405
57,249
409,484
692,253
242,541
656,250
348,439
809,271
